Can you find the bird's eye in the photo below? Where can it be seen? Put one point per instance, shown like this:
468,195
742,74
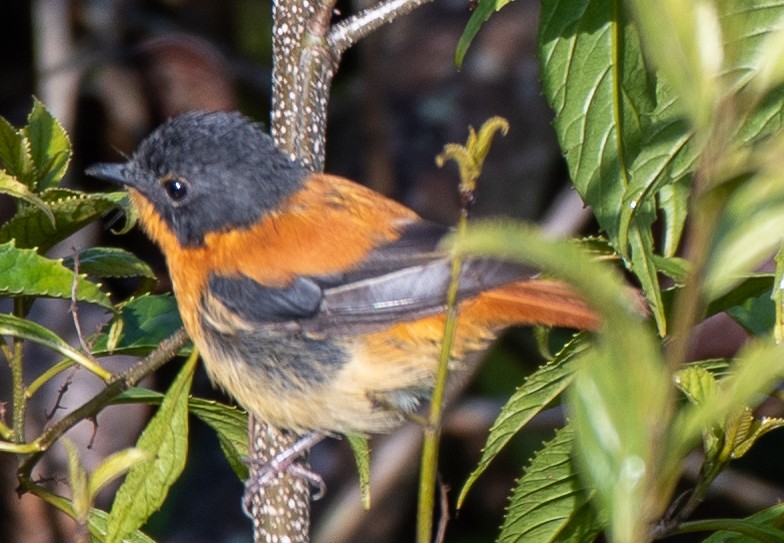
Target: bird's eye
176,188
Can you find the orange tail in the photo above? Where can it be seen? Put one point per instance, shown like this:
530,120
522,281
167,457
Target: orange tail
538,301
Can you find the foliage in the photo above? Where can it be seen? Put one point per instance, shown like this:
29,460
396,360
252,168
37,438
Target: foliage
664,111
34,160
669,115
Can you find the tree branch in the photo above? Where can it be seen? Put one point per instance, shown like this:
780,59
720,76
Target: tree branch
167,350
348,32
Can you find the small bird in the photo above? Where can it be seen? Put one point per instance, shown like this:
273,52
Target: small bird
317,303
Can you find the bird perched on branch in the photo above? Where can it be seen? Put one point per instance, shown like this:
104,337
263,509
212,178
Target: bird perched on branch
315,302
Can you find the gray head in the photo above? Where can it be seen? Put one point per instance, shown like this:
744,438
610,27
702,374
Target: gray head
208,172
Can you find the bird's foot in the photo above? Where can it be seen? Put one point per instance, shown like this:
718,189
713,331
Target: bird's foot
264,474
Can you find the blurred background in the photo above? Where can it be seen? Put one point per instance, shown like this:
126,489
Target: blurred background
111,70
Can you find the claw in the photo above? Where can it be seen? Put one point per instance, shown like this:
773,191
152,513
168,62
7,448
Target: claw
284,462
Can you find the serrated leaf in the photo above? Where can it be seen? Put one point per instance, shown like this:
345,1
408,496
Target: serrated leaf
749,430
72,210
23,272
110,262
165,441
618,401
15,152
697,383
541,388
15,188
481,14
550,501
758,367
361,449
32,331
50,147
147,321
673,267
98,521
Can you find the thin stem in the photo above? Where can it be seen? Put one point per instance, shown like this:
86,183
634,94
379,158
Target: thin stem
430,446
16,363
166,351
760,533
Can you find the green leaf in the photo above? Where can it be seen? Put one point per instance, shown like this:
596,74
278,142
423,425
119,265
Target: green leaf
550,502
644,268
673,267
110,262
23,272
15,153
673,201
595,80
768,519
14,326
697,383
769,61
50,147
684,41
77,480
165,441
758,367
72,211
13,187
749,232
360,448
146,322
230,424
777,296
619,398
114,466
96,520
541,388
231,427
749,288
756,315
481,14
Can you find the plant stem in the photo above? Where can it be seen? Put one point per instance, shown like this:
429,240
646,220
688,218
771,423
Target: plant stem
167,350
430,446
16,363
707,205
759,533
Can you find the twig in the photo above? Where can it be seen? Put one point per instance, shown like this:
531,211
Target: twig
348,32
61,393
167,350
443,521
74,307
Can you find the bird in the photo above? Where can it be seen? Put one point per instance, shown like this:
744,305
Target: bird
317,303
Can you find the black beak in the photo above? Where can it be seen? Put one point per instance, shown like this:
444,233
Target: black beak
115,173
